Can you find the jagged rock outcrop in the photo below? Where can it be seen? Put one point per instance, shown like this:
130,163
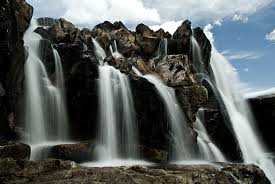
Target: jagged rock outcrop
56,171
15,16
263,108
139,49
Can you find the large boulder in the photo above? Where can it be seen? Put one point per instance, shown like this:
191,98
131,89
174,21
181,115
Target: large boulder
15,150
56,171
78,152
175,71
263,108
221,135
184,31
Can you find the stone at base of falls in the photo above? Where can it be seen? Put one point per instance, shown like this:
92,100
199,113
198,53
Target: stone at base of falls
84,152
57,171
15,150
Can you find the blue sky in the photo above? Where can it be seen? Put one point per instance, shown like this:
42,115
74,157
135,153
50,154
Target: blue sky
239,26
254,54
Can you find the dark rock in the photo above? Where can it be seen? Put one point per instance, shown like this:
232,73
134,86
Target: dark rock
15,19
153,155
76,152
43,33
15,150
57,34
120,63
191,99
221,135
126,42
66,25
56,171
184,31
148,44
151,118
82,100
178,46
119,25
263,108
106,26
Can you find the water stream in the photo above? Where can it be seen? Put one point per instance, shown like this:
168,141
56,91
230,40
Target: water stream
228,84
118,130
46,115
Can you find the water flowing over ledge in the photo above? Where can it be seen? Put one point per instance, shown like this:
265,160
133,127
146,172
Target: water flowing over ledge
118,86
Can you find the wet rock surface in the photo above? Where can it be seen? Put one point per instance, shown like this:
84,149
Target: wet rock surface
56,171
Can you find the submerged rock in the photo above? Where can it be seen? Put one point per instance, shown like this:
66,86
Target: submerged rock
56,171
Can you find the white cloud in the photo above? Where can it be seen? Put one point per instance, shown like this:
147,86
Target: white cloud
208,33
252,93
170,26
241,55
246,69
239,18
90,12
217,23
205,10
271,36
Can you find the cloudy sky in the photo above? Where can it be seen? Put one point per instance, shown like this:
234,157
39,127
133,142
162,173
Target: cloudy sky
244,30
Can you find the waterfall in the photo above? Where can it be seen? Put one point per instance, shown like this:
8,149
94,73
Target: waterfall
118,131
46,116
99,52
227,83
162,50
208,150
35,72
183,149
114,50
196,54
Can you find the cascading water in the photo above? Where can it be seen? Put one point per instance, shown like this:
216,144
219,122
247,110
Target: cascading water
46,117
240,114
196,54
208,150
117,120
183,149
114,50
162,50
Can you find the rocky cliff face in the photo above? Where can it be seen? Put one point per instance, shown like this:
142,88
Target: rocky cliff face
140,49
143,49
15,16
